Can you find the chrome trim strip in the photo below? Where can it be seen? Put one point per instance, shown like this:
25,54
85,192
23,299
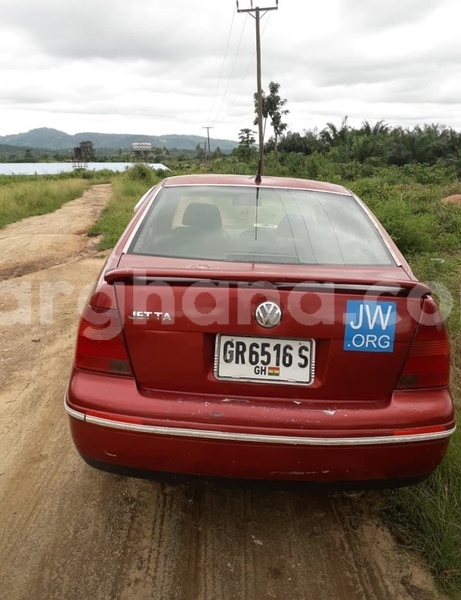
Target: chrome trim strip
70,411
73,413
141,200
258,438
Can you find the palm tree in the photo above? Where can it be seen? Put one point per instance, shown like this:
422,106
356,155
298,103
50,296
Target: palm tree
341,138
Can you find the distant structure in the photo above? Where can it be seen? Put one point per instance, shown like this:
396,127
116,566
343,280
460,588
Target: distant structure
78,160
158,167
141,151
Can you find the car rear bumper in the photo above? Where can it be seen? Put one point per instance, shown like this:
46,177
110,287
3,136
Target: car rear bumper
172,453
236,438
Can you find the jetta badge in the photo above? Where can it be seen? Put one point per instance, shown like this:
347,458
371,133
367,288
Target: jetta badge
268,314
143,315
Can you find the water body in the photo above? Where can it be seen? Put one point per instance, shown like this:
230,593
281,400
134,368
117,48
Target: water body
55,168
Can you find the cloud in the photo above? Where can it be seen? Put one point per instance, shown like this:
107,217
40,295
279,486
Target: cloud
382,15
164,68
114,29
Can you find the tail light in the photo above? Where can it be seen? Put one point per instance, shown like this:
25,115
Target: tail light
428,362
100,343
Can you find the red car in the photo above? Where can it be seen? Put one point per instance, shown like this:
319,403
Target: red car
265,330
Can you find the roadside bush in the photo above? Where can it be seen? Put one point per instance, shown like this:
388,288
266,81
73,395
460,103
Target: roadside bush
413,215
413,233
437,174
141,172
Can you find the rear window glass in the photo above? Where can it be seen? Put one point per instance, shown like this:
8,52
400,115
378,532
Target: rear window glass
271,225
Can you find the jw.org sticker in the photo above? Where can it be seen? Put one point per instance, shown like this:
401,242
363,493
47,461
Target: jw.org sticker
370,326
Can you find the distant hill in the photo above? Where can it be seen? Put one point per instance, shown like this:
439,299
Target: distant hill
7,147
53,139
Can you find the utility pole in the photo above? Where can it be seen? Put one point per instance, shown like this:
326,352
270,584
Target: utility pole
258,13
208,127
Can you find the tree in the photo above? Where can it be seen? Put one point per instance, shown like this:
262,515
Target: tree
246,147
273,109
341,139
379,128
247,137
28,155
217,153
199,152
87,149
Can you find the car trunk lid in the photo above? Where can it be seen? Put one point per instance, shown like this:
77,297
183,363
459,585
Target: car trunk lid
350,328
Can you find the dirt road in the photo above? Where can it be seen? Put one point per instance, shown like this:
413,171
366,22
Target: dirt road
68,532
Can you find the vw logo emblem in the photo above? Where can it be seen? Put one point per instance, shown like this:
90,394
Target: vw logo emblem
268,314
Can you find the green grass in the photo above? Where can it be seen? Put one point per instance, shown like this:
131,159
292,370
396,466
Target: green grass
24,196
427,518
413,214
128,189
21,199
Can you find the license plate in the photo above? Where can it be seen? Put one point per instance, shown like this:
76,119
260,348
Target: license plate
284,361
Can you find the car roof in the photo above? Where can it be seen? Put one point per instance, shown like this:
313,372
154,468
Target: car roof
249,180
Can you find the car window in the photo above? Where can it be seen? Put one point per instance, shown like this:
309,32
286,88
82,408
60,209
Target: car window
271,225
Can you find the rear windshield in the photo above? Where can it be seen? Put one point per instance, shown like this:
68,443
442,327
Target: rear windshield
268,225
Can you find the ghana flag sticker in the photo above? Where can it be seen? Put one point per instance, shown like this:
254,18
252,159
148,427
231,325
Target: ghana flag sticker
274,371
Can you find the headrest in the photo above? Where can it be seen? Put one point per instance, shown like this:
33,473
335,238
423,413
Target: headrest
202,216
292,226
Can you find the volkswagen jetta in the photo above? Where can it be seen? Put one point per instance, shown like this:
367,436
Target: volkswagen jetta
264,330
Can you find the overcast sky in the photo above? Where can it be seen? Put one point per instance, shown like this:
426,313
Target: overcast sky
159,67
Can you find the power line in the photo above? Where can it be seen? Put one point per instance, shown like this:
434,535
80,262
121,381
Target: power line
232,70
237,93
222,66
